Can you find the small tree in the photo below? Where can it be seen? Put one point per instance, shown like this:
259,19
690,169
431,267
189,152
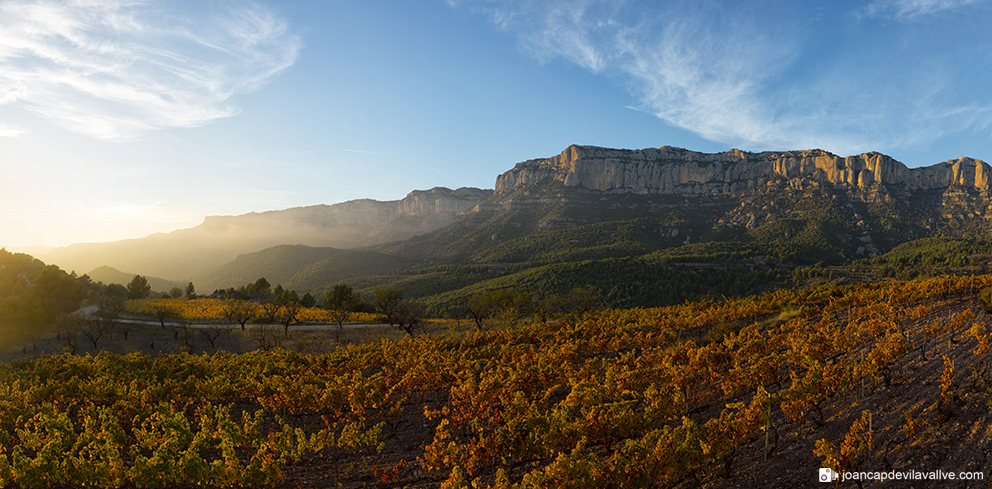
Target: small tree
270,309
283,297
510,306
287,314
385,301
339,316
239,311
95,328
69,327
211,333
584,299
190,291
504,305
124,327
547,309
114,293
266,336
985,298
259,290
104,321
409,315
176,292
341,301
186,334
480,307
163,312
138,288
341,296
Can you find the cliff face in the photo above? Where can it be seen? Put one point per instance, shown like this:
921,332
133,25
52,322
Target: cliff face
668,170
436,204
440,202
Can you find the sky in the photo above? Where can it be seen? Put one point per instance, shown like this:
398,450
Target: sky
120,119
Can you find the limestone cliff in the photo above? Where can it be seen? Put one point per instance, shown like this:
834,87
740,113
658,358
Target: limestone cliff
440,202
437,204
669,170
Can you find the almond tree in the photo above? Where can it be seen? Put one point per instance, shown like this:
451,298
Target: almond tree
239,311
287,314
480,307
95,328
409,315
386,300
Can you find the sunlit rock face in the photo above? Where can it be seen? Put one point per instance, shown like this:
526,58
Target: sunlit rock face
669,170
440,202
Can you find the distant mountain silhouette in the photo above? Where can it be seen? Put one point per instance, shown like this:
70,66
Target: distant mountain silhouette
187,253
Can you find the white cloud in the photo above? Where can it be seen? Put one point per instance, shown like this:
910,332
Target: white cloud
741,72
697,66
912,9
116,70
11,131
576,30
708,78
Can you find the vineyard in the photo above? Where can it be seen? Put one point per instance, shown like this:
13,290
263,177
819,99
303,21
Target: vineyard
216,311
753,392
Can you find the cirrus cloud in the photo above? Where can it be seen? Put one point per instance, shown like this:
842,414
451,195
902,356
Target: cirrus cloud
115,70
773,74
912,9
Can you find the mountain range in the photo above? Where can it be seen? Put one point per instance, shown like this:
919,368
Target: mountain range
579,217
190,253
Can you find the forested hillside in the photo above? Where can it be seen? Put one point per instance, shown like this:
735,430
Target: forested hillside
33,296
302,267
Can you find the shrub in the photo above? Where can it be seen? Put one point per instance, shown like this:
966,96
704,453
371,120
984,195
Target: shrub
985,298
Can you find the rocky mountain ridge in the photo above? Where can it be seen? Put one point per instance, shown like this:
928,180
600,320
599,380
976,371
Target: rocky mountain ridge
541,209
669,170
188,253
438,203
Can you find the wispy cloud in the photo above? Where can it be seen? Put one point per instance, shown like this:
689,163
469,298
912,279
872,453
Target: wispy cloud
116,70
740,73
367,152
906,10
708,77
695,65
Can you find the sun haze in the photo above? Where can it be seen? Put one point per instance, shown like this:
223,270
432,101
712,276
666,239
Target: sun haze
122,119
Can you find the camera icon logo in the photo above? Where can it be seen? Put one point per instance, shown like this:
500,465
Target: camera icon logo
828,475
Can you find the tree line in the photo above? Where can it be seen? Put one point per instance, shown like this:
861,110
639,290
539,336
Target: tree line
504,306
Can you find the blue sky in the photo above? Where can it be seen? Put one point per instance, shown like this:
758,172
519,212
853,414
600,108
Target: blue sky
123,118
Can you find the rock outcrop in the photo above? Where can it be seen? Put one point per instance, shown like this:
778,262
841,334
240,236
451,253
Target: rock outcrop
436,204
440,202
669,170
